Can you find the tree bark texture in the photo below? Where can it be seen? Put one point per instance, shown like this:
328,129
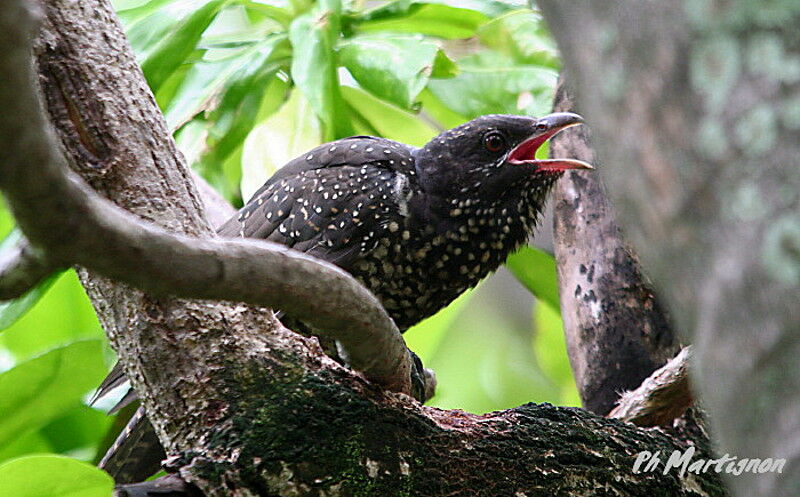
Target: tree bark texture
694,108
617,332
242,405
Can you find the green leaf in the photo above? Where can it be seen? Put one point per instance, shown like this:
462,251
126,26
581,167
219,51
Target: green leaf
51,476
431,19
536,270
425,337
62,316
395,68
240,103
522,35
388,120
175,48
29,443
550,350
79,431
293,130
314,70
12,310
443,114
490,83
42,389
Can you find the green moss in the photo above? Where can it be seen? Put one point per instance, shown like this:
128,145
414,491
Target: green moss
757,130
790,112
711,140
714,69
781,250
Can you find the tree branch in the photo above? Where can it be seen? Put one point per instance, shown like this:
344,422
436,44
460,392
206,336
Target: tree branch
663,397
617,332
22,267
75,226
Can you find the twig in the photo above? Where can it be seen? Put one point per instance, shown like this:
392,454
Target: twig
661,398
73,225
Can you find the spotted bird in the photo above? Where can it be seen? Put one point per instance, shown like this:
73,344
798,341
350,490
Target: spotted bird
417,226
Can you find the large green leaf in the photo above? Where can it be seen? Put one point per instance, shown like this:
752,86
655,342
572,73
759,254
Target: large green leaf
62,316
491,83
293,130
425,337
395,68
550,350
522,35
438,20
178,43
53,476
12,310
314,69
29,443
388,120
444,115
78,432
42,389
240,103
537,271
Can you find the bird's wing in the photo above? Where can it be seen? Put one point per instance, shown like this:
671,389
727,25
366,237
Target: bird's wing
331,203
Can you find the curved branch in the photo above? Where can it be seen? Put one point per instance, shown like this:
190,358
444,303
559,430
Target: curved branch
74,225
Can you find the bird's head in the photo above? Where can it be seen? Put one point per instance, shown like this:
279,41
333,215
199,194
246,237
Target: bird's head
493,156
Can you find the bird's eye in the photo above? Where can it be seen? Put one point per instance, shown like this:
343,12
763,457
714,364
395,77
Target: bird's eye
541,127
494,141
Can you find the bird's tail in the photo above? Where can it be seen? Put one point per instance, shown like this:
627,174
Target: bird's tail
136,454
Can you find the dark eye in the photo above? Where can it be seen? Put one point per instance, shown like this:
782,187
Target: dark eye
541,127
494,141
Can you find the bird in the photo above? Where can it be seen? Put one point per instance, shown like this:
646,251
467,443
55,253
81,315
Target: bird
416,226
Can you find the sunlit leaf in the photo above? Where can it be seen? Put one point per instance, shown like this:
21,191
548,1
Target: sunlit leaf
491,83
50,476
62,316
424,338
29,443
79,431
293,130
314,70
443,114
395,68
12,310
536,270
485,361
179,43
522,35
438,20
42,389
389,121
550,350
239,105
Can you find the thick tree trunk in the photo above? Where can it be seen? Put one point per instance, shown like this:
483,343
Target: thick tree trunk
694,109
242,405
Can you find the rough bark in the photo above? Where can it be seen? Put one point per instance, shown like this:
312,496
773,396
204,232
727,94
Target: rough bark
694,106
617,332
244,406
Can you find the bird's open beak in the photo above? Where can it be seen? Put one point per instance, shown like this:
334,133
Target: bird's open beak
544,129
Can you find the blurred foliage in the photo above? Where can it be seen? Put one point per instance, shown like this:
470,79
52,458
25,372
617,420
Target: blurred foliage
246,85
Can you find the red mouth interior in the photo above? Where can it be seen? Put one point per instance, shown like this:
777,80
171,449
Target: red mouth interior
525,153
